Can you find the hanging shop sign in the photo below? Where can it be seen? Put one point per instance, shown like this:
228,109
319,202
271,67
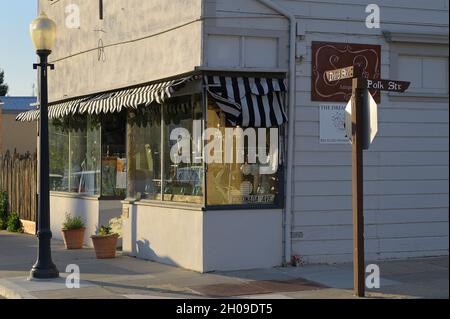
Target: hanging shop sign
336,86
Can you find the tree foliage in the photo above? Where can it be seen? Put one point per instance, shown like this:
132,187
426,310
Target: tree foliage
3,86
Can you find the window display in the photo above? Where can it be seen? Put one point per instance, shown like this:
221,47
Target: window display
114,155
183,180
250,174
165,153
146,152
59,154
75,155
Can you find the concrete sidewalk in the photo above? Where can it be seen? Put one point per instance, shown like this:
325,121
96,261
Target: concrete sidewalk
130,278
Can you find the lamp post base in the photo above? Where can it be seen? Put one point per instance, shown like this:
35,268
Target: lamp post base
44,268
44,273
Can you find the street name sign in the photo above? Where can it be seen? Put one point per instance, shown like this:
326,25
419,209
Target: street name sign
388,85
372,84
340,74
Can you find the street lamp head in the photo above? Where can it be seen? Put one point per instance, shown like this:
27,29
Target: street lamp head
43,32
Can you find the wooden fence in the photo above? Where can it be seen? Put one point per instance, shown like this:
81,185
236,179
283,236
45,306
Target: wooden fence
18,177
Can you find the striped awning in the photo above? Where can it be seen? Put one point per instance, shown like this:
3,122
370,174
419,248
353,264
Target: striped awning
132,98
54,111
28,116
249,101
110,102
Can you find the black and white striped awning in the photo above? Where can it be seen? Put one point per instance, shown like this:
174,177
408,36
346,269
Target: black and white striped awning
111,102
57,110
249,101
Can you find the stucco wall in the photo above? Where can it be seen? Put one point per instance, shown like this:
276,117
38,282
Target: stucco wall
94,213
203,240
16,135
136,42
167,235
241,239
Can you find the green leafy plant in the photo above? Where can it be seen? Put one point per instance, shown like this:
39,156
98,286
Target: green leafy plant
73,222
3,210
14,224
105,231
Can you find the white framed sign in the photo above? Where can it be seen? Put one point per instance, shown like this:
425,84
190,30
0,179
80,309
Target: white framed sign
332,124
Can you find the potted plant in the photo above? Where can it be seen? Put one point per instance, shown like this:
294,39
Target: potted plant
105,242
73,232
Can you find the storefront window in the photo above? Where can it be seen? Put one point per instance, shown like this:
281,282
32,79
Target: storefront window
59,154
145,146
244,173
75,155
114,162
183,162
164,153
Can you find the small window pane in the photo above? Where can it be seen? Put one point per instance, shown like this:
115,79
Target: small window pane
183,181
410,67
59,156
145,147
90,182
242,181
114,175
435,74
75,155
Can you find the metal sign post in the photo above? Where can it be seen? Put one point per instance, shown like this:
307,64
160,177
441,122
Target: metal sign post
358,90
362,132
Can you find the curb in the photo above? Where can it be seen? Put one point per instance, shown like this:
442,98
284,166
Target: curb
9,290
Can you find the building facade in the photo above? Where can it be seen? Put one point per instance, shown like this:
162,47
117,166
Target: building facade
19,136
130,74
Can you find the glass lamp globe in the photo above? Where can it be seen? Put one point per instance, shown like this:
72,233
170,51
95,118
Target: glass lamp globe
43,32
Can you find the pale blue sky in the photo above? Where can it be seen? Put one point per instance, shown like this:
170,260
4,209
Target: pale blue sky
16,50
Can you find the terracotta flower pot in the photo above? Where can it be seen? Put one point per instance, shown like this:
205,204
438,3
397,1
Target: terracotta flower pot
73,238
105,246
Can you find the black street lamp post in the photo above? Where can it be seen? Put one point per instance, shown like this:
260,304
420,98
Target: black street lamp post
43,33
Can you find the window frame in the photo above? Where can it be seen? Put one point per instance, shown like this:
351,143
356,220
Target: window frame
204,206
100,195
161,201
280,194
416,49
163,149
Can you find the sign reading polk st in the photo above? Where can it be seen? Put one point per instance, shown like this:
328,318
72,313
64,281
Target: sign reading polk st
388,85
362,126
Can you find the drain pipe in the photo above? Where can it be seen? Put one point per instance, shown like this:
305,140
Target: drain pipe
288,212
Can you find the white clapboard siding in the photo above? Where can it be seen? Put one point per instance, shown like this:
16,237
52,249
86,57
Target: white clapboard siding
372,216
411,173
406,169
327,202
343,158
